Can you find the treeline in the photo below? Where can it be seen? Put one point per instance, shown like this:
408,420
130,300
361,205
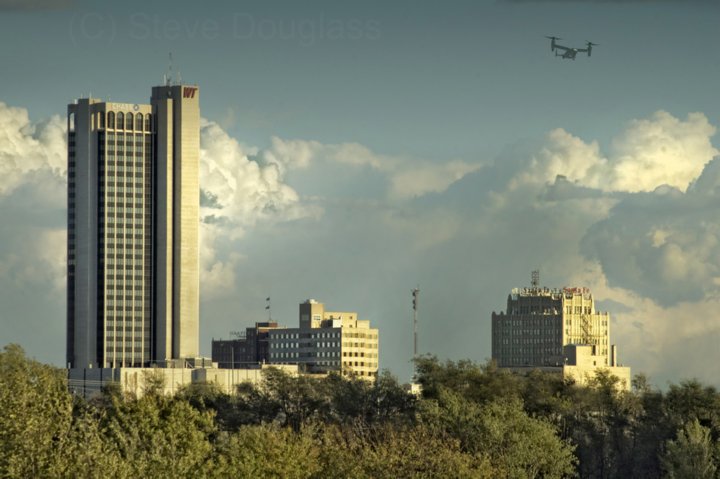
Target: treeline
472,421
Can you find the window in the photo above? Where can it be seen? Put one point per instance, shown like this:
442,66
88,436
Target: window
139,121
148,120
120,120
129,121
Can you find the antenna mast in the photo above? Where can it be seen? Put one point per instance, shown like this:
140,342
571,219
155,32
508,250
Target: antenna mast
168,76
267,307
415,296
535,279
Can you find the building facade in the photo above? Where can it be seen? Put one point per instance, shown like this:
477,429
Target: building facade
250,349
136,381
538,322
327,341
554,328
133,219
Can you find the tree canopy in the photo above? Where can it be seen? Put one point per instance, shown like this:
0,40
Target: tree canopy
472,420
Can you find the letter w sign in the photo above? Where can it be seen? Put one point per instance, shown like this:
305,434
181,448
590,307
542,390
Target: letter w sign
189,92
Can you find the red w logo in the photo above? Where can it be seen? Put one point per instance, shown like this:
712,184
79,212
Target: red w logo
189,92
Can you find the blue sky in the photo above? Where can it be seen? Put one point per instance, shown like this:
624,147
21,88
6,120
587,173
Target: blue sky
357,150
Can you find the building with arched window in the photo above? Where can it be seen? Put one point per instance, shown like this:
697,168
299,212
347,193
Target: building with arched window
133,218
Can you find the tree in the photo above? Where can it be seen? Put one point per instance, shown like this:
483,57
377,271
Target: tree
515,444
389,451
35,416
268,451
478,383
157,436
692,454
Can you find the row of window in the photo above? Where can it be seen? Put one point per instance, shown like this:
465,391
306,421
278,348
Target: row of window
360,364
532,332
112,304
111,297
137,277
137,195
125,120
138,321
361,335
275,336
529,341
120,161
359,355
121,204
111,246
121,287
120,136
547,323
531,351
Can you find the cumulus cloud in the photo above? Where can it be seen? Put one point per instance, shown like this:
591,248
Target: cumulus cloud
33,158
664,342
217,274
664,244
240,187
661,150
651,152
407,177
28,149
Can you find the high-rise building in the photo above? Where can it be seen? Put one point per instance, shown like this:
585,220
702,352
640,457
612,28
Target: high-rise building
133,219
554,328
327,341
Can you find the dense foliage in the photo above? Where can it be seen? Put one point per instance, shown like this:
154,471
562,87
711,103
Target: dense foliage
472,421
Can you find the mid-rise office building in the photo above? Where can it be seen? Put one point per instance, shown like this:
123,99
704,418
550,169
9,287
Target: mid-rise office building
133,219
327,341
554,328
250,349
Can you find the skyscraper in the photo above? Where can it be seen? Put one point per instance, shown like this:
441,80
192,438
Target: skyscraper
133,218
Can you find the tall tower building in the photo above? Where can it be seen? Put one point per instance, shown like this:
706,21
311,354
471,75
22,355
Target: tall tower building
133,219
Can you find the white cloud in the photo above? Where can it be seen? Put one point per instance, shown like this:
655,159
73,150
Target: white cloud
407,177
27,149
244,190
660,150
428,178
664,244
33,158
217,272
241,188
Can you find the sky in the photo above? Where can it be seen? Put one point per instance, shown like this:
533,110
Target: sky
353,151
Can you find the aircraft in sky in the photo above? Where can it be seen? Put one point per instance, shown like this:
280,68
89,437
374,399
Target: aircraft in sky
569,52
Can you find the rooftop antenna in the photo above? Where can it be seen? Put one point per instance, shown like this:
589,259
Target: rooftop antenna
168,76
415,296
535,279
267,307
